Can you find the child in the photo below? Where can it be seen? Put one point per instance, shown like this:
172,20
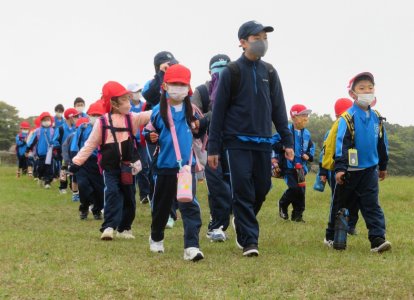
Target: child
138,105
58,118
174,98
21,146
114,134
304,151
360,154
42,140
59,138
79,105
89,179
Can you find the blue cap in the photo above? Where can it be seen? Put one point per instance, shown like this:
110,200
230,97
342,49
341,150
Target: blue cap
252,28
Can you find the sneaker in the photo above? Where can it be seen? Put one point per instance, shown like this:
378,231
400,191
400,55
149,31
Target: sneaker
62,191
170,223
47,186
97,216
352,231
298,220
380,245
75,197
216,235
283,213
126,234
18,174
144,200
233,223
328,243
108,234
193,253
83,215
156,247
251,250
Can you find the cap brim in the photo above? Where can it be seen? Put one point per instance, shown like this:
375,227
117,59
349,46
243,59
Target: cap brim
304,112
265,29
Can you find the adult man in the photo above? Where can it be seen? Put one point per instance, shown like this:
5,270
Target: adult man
249,98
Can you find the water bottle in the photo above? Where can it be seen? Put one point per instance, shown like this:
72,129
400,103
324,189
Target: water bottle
341,229
301,175
319,184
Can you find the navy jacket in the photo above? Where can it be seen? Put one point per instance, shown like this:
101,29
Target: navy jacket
250,112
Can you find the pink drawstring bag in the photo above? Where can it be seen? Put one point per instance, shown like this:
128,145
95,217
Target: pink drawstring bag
184,176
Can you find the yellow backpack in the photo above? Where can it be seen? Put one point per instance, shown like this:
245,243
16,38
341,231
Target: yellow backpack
329,145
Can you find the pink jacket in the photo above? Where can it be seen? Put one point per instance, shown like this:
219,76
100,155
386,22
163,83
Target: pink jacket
95,139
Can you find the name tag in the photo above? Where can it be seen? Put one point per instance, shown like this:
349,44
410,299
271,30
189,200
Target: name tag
353,157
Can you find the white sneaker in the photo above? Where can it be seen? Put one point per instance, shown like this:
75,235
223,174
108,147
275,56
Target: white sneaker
170,223
217,235
193,254
156,247
108,234
47,186
63,192
126,234
328,243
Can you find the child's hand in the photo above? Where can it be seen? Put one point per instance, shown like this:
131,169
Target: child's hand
213,161
305,157
339,176
289,154
153,137
382,175
195,126
322,178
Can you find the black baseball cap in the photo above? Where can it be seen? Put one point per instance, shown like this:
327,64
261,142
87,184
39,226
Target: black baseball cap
163,57
252,28
217,58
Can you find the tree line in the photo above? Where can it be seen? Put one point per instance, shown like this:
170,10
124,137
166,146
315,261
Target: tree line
400,138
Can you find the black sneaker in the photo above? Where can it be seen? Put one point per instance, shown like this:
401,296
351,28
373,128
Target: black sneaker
352,231
298,219
97,216
283,213
83,215
251,250
380,245
144,200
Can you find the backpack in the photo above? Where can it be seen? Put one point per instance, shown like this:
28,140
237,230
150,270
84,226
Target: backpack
235,77
205,97
67,157
329,145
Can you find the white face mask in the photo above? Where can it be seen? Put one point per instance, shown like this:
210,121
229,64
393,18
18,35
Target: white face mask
25,131
365,100
177,92
46,123
92,120
80,108
59,115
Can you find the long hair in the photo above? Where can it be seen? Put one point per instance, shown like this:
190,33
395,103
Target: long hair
164,112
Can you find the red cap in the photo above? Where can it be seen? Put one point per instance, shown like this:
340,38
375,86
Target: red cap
299,110
37,122
351,82
25,125
177,74
112,89
81,121
44,115
342,105
70,112
96,108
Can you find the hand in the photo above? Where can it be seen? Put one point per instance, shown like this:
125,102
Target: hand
382,175
26,154
338,177
305,157
73,169
153,137
323,178
164,66
289,154
195,126
213,161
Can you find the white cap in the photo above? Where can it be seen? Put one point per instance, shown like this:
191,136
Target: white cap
134,87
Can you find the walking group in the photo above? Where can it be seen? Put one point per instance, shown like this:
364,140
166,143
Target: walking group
232,131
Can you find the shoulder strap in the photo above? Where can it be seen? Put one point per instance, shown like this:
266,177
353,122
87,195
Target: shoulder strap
102,119
270,70
235,78
111,127
350,123
381,120
205,98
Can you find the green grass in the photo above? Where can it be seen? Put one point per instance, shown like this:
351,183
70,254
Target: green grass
46,252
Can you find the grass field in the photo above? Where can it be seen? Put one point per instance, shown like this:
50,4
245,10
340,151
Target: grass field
46,252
